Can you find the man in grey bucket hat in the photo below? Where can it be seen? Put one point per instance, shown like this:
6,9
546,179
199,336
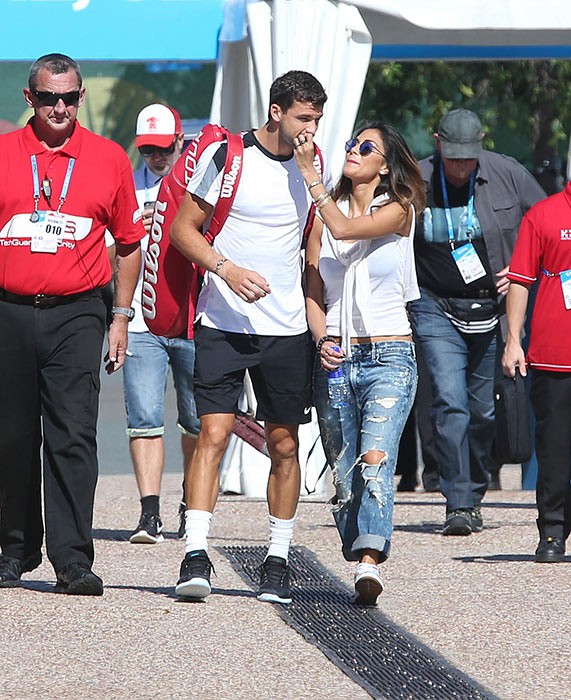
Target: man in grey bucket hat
463,244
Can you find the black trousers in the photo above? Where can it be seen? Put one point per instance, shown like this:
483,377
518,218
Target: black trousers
49,390
551,401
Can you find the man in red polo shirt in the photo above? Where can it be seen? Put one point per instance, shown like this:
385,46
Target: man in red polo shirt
543,249
62,187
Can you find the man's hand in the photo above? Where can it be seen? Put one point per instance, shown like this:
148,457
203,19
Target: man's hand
247,284
503,283
115,357
513,357
147,218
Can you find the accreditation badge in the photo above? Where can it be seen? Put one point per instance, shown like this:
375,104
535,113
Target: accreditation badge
47,231
565,278
468,263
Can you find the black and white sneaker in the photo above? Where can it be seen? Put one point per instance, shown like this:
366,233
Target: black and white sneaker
148,530
458,522
476,520
181,521
194,581
274,581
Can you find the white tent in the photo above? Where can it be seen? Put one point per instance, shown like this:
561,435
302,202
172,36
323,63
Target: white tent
335,40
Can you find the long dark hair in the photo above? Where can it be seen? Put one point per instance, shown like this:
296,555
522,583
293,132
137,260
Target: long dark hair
403,183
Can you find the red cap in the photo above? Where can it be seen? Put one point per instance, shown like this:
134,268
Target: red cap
157,125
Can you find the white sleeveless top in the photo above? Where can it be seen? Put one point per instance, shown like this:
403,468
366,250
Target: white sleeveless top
367,283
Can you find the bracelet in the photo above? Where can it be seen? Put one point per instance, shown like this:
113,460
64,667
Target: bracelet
218,265
314,184
320,198
323,202
325,339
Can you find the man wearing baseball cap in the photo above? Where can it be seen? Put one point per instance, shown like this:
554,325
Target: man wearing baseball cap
463,244
159,138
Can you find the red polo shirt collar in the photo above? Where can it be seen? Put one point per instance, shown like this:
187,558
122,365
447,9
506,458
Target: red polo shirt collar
35,146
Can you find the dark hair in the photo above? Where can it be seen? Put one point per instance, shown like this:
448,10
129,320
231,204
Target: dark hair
296,85
403,182
56,64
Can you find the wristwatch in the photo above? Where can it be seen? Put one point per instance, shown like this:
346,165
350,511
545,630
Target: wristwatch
129,313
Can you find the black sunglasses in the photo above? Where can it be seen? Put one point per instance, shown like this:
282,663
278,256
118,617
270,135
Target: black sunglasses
51,99
365,148
149,150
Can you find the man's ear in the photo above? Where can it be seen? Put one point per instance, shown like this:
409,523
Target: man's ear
276,112
28,97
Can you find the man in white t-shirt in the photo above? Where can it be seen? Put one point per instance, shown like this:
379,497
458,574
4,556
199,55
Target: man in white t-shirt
159,138
251,315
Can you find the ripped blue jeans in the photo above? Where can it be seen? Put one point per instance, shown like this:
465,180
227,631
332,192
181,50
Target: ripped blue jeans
383,381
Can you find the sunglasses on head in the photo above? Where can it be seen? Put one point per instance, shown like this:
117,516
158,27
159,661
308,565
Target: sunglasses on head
365,148
149,150
51,99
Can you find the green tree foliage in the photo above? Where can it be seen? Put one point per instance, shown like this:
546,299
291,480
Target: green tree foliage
525,106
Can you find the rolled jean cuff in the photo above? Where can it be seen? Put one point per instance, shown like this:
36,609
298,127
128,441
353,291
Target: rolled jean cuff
145,432
377,542
190,433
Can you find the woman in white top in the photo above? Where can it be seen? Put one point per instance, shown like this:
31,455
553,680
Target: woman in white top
360,275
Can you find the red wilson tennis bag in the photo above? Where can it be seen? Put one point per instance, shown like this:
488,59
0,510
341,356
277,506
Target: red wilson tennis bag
171,283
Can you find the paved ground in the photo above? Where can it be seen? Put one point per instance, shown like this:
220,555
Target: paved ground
479,601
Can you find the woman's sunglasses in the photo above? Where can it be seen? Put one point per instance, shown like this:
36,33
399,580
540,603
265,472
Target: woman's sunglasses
365,148
50,99
149,150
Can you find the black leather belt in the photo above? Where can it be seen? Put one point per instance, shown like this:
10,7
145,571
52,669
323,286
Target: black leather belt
43,301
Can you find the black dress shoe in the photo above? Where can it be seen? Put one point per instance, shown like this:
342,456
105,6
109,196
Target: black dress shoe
11,569
78,579
550,549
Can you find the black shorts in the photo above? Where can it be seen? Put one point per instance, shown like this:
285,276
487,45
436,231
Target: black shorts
279,367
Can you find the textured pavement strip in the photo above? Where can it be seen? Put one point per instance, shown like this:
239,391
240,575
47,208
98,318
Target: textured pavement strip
479,601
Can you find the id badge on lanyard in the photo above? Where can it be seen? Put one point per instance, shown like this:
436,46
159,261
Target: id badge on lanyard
47,227
47,231
565,278
468,263
466,257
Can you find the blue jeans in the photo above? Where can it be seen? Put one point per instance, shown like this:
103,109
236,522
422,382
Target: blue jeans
382,379
461,368
144,383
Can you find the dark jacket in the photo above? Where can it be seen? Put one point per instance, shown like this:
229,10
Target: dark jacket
504,191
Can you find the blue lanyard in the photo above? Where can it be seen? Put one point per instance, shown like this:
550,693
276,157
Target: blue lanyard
147,194
470,216
36,179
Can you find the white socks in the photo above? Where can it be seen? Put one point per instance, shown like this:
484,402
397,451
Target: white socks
281,535
197,527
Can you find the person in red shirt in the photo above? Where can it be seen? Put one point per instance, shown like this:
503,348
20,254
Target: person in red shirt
62,187
543,250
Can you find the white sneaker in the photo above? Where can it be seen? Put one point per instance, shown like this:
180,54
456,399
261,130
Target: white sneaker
368,584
